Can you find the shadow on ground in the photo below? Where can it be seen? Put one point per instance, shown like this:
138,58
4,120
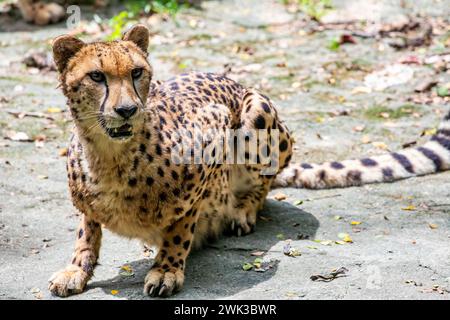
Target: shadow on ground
216,270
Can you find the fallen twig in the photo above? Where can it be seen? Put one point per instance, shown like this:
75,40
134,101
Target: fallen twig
331,276
21,114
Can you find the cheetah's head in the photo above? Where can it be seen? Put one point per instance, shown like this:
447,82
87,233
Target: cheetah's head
106,83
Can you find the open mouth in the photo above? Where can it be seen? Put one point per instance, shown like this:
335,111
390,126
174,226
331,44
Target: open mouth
120,132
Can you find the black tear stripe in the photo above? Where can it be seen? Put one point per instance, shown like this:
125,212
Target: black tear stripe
433,157
442,141
102,107
137,93
447,117
403,161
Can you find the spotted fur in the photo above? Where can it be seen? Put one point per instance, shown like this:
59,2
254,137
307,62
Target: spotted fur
432,157
120,171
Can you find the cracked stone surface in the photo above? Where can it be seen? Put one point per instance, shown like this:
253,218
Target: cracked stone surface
396,253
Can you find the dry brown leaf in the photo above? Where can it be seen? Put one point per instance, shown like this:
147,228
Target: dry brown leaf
280,197
62,152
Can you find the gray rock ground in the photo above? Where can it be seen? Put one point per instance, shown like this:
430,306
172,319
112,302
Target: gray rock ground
395,254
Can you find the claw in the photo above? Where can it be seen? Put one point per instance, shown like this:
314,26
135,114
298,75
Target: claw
162,290
149,291
239,232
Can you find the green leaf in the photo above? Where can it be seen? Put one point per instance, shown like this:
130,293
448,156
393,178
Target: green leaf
247,266
334,45
442,92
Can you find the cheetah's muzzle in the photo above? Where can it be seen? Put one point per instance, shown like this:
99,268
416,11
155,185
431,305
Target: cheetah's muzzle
122,132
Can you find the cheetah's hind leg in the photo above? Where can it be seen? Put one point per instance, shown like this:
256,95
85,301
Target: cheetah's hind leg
249,183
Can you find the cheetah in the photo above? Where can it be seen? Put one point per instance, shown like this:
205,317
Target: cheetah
123,174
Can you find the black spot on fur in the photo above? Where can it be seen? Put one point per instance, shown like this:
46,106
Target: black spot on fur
163,196
260,122
150,181
186,244
306,166
367,162
354,177
132,182
176,240
190,186
143,210
88,268
388,174
322,175
337,165
266,107
158,150
283,145
80,233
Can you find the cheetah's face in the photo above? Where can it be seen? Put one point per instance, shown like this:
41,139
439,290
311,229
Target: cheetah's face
107,83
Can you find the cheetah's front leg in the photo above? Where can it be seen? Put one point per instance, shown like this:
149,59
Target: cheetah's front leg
167,274
74,277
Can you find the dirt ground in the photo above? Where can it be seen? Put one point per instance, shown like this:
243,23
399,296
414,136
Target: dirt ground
344,87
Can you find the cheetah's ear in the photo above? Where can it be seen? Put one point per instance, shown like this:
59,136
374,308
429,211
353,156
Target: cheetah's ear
138,34
64,48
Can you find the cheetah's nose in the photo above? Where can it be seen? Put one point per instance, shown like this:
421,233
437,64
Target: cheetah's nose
126,111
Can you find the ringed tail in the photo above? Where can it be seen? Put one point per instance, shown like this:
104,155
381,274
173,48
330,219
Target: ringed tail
432,157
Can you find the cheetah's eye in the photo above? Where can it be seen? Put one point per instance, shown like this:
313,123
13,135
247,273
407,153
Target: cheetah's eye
97,76
136,73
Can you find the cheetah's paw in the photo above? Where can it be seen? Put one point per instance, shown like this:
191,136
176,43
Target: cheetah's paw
71,280
238,228
163,283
